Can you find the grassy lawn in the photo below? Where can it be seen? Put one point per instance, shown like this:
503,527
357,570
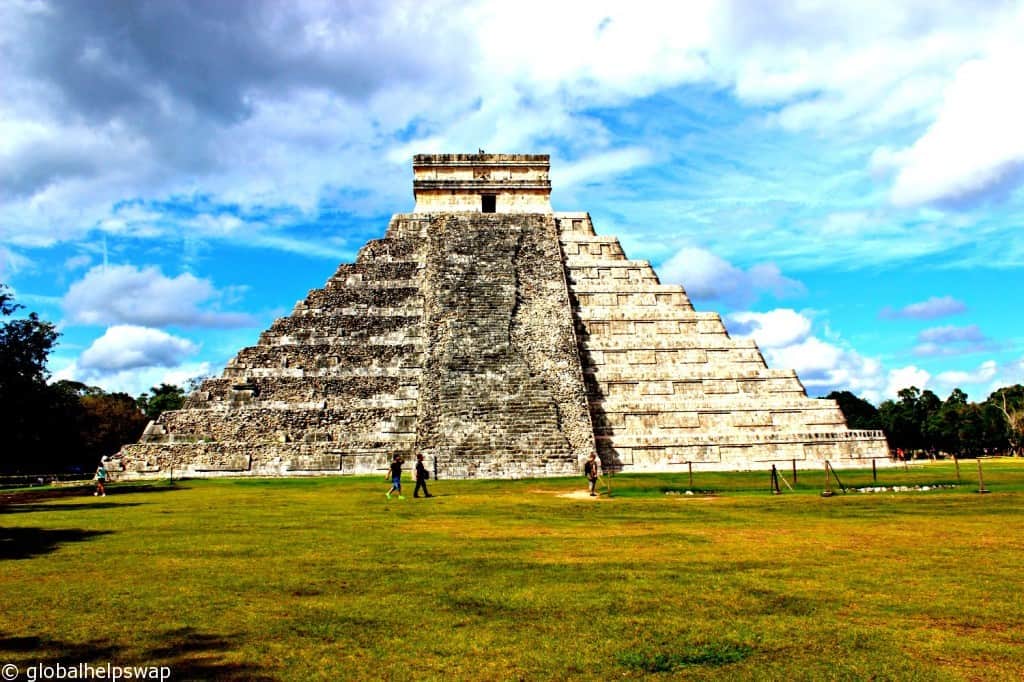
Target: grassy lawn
325,579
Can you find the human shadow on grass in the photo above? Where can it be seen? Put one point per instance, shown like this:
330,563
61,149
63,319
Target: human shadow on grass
25,543
189,654
37,507
115,490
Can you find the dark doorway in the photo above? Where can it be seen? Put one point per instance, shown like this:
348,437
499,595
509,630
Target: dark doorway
488,203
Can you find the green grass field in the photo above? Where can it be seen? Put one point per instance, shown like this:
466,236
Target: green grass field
325,579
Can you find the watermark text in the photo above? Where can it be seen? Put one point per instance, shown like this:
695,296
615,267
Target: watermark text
84,671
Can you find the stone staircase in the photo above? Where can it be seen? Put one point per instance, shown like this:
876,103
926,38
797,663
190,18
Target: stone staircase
501,394
667,385
452,336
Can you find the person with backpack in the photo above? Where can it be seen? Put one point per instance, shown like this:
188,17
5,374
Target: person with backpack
592,470
422,475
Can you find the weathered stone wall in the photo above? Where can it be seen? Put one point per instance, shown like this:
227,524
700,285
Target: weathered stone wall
455,201
501,393
446,183
331,388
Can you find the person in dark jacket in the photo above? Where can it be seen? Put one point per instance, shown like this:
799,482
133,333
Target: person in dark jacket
592,470
421,478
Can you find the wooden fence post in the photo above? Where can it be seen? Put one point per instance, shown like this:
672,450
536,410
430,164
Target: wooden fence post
981,479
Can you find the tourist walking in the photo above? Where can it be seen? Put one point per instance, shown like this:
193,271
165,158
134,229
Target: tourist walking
101,480
421,478
592,470
396,477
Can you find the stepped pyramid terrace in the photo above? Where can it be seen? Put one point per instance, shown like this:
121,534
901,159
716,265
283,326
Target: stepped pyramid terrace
501,339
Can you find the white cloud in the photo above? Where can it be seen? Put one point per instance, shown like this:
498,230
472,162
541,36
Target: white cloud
983,374
784,337
774,329
600,166
710,277
975,148
124,347
980,381
951,334
1009,374
334,90
12,262
934,307
824,366
132,359
951,340
134,381
77,262
905,377
124,294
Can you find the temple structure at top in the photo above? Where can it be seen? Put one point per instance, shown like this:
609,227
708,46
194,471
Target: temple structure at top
505,183
499,339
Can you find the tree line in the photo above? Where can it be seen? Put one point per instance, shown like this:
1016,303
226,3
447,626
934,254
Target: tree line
64,426
919,423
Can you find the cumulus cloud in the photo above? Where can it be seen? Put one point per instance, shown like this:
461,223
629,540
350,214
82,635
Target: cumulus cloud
934,307
905,377
981,380
975,148
124,294
333,89
774,329
1008,374
599,166
786,340
125,347
133,381
985,373
710,277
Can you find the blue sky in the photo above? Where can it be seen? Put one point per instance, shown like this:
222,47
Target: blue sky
844,184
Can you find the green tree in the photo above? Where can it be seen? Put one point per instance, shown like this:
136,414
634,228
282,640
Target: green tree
971,431
859,413
1009,401
109,420
900,419
161,399
25,399
943,428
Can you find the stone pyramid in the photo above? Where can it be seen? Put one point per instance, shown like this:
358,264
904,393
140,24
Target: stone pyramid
500,339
